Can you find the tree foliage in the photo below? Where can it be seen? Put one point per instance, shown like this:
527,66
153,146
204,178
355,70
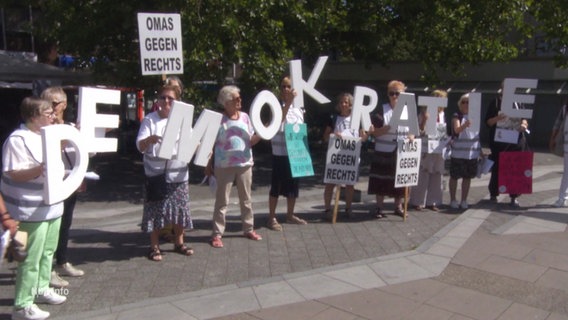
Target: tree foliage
260,36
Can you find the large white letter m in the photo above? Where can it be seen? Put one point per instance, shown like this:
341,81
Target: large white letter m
200,138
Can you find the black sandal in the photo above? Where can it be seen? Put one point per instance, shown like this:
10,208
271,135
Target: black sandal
183,249
155,254
379,214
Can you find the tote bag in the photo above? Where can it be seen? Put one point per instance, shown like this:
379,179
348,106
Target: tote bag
515,172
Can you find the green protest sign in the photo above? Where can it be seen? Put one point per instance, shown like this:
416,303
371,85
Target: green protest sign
298,152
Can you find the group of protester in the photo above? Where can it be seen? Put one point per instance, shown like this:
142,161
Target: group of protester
22,205
232,161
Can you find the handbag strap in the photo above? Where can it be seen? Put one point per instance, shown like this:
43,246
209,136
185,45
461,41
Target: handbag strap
525,146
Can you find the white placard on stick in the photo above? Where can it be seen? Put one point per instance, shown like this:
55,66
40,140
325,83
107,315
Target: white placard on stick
342,161
160,43
407,163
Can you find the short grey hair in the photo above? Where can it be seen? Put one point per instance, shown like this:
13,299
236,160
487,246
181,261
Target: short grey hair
54,93
226,94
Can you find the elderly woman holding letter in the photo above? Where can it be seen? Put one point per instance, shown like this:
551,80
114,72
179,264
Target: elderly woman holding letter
22,187
232,161
171,204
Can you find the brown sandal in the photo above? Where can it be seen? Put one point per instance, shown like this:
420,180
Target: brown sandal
274,225
183,249
155,254
296,220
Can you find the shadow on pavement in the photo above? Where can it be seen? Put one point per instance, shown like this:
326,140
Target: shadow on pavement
110,246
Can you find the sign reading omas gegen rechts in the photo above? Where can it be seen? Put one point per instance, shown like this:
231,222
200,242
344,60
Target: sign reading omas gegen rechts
160,43
407,162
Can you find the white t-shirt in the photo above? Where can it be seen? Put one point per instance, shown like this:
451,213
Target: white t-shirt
24,200
177,171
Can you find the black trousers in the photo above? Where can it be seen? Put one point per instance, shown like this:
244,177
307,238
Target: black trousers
66,219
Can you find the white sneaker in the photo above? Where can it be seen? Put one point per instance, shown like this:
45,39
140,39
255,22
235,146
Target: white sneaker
560,203
454,204
464,205
68,270
56,281
31,312
49,296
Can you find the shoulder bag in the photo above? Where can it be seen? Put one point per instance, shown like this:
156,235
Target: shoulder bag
156,187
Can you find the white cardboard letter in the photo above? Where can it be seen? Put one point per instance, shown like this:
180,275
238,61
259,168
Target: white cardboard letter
262,98
361,112
302,86
432,104
57,189
509,97
474,112
200,138
93,125
405,114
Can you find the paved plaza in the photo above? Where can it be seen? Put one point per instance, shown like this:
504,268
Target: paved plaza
491,261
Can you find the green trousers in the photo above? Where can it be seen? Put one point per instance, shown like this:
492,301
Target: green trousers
34,273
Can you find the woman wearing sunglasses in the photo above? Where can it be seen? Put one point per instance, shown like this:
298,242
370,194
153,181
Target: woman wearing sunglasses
383,164
174,208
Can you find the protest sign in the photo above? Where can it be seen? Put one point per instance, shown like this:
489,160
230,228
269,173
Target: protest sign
262,98
511,97
160,40
405,115
57,186
296,136
181,141
94,125
361,112
90,139
438,146
301,86
432,104
342,161
407,163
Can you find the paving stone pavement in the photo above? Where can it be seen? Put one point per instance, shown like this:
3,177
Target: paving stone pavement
326,270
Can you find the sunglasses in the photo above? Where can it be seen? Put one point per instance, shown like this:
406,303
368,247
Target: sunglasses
394,93
167,98
464,102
